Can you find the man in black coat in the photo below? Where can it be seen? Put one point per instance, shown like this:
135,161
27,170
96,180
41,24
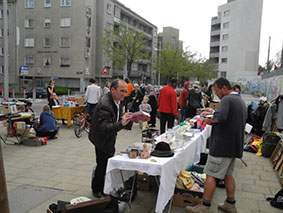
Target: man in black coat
107,121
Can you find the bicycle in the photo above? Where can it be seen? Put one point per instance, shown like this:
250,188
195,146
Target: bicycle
82,123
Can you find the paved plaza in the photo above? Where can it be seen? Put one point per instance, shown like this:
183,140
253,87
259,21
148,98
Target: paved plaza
65,164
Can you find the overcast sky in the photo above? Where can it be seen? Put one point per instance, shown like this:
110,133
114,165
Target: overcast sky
193,18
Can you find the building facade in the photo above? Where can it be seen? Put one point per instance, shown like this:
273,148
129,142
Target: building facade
235,38
111,14
60,40
12,67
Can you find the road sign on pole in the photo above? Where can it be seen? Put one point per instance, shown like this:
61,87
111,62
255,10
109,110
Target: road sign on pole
105,71
24,70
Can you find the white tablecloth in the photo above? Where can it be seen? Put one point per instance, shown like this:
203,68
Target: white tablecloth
167,168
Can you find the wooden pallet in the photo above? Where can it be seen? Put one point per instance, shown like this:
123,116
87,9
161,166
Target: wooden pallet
277,160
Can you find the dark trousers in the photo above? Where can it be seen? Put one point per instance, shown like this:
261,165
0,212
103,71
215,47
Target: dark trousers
90,108
153,103
97,183
166,117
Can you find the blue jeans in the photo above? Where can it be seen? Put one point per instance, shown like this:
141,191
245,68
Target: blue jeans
183,114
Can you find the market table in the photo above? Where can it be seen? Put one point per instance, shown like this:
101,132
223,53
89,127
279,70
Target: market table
7,125
167,168
67,113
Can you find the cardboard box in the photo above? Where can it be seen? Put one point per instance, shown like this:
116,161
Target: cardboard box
23,132
9,107
80,101
21,125
185,197
213,105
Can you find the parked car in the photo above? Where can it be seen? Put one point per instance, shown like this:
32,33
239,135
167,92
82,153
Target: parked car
40,93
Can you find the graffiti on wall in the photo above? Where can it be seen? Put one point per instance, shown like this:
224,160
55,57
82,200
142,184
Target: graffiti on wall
271,87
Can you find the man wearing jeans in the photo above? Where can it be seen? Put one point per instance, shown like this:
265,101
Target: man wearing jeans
227,136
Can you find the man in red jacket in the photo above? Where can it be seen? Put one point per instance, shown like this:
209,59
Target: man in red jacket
167,105
183,100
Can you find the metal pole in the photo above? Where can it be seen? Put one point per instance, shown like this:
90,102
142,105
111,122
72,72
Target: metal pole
6,60
268,62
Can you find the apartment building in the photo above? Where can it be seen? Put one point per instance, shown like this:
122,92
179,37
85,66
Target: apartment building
235,38
60,40
111,14
13,71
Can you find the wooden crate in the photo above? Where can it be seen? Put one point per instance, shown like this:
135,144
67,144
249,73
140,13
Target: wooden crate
277,160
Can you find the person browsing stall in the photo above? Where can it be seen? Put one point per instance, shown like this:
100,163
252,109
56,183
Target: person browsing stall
50,89
107,121
92,96
47,124
227,136
167,105
55,102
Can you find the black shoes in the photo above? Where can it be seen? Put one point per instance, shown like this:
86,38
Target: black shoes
98,194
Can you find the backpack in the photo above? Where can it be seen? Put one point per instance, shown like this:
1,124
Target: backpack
269,143
194,99
277,200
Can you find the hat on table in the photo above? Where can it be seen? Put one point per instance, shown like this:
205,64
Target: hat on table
162,149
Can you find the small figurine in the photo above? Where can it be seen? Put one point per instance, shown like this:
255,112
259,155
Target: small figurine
145,153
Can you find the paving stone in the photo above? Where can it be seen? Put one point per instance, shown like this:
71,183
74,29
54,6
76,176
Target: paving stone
267,183
255,189
266,207
249,195
68,186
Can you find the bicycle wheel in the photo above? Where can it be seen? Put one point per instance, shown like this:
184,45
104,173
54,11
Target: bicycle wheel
87,127
78,131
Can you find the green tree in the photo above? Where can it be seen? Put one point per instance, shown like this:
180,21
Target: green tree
203,69
173,62
124,47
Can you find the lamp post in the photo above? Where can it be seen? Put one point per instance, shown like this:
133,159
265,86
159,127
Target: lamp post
6,60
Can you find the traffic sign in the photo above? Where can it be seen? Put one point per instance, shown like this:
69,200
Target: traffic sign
105,71
24,70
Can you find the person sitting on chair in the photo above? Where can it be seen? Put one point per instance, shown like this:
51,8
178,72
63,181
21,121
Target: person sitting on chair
55,102
47,124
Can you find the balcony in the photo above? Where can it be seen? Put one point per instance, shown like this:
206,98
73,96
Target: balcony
215,20
214,55
215,32
117,20
215,44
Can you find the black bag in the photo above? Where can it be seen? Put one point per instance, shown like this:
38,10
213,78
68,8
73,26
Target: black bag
269,143
194,99
277,200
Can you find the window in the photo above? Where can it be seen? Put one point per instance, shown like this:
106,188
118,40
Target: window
88,42
65,42
1,13
65,3
226,13
29,3
225,37
65,22
1,69
223,74
1,51
224,60
109,7
29,23
29,61
46,61
47,3
47,42
224,49
47,22
1,32
225,25
88,22
29,42
64,61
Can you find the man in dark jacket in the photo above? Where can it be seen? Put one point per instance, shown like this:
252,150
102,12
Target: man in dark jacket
107,121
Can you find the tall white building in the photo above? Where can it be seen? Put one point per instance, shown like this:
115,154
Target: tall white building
235,38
